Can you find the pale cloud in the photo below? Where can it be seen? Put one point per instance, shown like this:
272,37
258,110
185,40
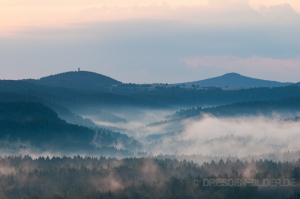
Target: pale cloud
99,2
34,13
268,3
222,2
279,12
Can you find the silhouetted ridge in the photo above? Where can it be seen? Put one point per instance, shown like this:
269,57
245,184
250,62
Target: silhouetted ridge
78,79
235,80
27,112
39,124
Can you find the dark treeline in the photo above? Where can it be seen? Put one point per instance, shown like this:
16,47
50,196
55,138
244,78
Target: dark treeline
88,177
251,108
136,95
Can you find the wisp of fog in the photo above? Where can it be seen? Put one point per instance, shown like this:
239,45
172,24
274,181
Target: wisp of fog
239,136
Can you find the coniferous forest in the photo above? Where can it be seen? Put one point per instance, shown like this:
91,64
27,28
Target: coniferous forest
87,177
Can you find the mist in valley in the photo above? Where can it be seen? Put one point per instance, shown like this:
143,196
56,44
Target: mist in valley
232,136
205,134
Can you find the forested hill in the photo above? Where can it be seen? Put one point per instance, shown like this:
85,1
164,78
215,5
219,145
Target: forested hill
235,80
27,112
77,80
34,123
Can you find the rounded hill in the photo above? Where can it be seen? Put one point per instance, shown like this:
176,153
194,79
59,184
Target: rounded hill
78,79
235,80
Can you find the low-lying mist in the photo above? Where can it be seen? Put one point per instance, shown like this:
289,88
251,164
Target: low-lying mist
137,120
240,137
154,132
209,135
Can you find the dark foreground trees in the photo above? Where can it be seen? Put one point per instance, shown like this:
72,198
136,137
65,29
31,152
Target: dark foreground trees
87,177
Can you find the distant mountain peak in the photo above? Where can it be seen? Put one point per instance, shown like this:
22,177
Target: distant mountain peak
235,80
232,74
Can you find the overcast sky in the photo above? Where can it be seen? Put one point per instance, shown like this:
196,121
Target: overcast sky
145,41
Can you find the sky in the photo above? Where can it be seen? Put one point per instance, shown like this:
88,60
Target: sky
145,41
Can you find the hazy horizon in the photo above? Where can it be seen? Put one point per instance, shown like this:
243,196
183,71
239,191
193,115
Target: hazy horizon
153,82
150,41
